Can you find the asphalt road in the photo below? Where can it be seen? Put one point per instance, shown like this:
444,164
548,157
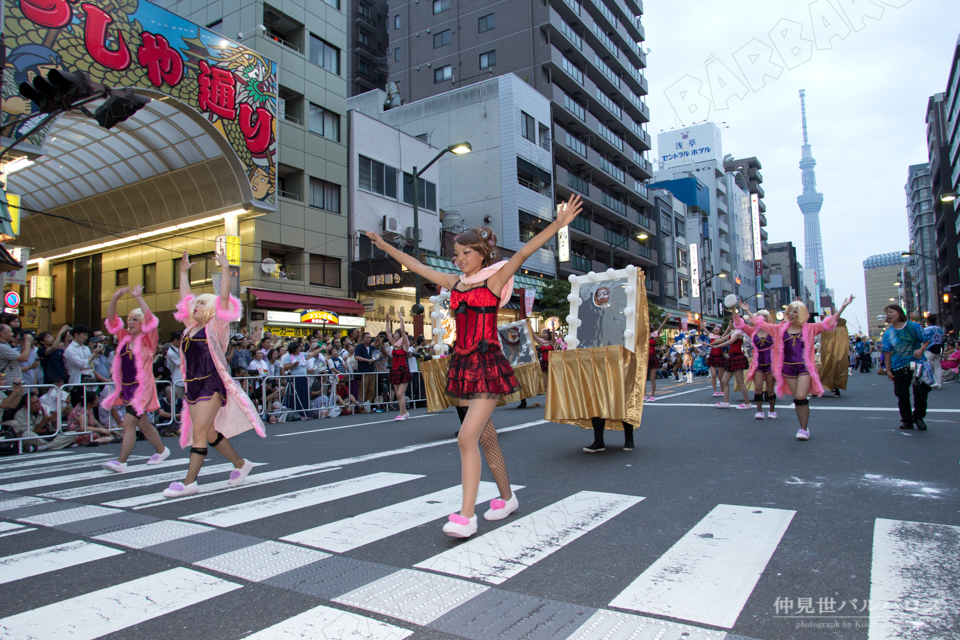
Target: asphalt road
716,524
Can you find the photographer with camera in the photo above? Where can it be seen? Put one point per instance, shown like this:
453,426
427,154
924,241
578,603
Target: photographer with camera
11,356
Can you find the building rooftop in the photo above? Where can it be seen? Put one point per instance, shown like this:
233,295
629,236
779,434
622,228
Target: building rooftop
894,259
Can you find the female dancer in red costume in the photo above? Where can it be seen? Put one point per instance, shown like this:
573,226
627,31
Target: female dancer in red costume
716,361
653,362
400,375
761,367
737,363
479,373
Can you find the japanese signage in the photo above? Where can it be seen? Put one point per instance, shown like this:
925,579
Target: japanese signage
694,271
21,255
692,144
757,246
320,317
230,247
384,279
13,208
41,287
126,43
563,244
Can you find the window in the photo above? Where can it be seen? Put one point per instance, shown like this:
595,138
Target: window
396,54
324,271
528,127
681,228
123,277
440,6
325,55
683,288
150,278
325,195
572,69
333,3
681,259
396,22
545,136
216,27
666,222
201,272
442,74
426,193
441,39
324,123
485,23
574,107
378,177
362,35
488,59
365,12
575,144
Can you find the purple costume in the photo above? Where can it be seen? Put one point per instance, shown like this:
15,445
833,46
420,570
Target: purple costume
202,379
128,374
763,347
793,364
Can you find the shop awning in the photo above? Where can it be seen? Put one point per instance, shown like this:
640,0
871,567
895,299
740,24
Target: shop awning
282,300
7,261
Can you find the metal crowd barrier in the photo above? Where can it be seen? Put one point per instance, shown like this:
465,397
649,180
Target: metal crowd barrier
28,390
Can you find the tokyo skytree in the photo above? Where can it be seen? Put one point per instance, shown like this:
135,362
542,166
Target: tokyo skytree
810,203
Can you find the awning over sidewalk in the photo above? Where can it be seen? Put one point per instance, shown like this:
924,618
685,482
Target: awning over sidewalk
282,300
445,265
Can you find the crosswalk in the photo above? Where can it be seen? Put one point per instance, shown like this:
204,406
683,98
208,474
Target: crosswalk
697,589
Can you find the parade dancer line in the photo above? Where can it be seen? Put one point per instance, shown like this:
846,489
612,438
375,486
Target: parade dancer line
132,375
793,364
761,367
735,366
717,362
479,373
653,362
216,406
399,375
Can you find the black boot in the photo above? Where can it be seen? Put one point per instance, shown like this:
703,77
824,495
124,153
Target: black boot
627,436
597,446
523,404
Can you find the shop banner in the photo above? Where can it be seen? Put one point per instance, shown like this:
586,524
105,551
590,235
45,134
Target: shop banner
126,43
529,295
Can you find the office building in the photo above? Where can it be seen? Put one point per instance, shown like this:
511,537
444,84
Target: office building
586,59
920,218
882,275
367,42
751,182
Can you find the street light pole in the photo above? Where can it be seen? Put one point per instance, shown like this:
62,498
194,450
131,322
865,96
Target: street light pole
458,149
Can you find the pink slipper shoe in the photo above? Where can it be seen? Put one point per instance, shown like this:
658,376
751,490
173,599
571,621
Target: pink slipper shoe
500,509
460,526
239,475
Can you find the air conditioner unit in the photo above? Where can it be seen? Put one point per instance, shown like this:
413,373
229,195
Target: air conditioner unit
391,224
408,234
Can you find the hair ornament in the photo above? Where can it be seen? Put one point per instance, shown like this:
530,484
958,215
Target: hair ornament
484,234
491,243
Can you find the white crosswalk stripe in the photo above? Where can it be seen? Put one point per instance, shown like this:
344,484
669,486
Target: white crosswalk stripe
12,529
113,609
125,484
33,485
14,460
344,535
61,556
275,505
505,552
39,468
709,574
327,623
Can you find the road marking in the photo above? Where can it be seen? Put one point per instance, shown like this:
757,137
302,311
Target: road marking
12,529
887,409
20,502
914,580
99,613
61,556
148,535
350,533
262,561
680,393
709,574
505,552
4,464
613,625
135,483
155,499
66,516
30,485
413,596
61,465
327,623
275,505
351,426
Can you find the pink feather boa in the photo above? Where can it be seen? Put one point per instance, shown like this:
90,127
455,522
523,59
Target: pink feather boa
144,347
810,331
484,274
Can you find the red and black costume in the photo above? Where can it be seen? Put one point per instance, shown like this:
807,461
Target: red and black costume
399,368
478,368
716,357
653,362
545,350
736,361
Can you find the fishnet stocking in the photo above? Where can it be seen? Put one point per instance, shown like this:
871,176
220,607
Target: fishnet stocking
224,448
197,456
130,435
494,457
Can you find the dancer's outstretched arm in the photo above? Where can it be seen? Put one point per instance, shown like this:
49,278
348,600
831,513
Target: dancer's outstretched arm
224,280
566,213
137,293
444,280
119,293
185,265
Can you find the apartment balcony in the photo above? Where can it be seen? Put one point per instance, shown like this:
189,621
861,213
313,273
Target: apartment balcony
763,234
763,220
725,247
723,225
756,188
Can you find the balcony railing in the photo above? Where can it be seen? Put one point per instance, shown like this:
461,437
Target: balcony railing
612,203
605,11
574,5
611,106
645,221
612,169
581,224
608,73
580,263
645,252
576,145
574,107
641,189
605,39
571,35
572,69
607,134
615,239
578,184
533,187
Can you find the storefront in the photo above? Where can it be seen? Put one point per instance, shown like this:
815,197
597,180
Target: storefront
295,315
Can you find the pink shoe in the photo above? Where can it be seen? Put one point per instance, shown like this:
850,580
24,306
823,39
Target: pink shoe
772,415
718,394
239,475
157,458
651,399
723,405
500,509
115,466
400,418
744,406
178,489
460,526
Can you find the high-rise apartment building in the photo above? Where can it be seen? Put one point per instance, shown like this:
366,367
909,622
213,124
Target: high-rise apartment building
367,41
922,236
751,181
783,274
586,58
881,275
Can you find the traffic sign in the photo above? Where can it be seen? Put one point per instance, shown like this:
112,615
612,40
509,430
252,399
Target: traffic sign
12,299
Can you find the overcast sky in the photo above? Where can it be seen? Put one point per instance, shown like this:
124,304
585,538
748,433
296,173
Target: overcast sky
866,102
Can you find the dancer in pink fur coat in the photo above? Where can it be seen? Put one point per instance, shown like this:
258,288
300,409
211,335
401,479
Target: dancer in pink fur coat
794,368
216,407
132,374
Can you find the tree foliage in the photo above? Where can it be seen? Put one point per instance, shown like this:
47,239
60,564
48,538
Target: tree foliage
553,299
